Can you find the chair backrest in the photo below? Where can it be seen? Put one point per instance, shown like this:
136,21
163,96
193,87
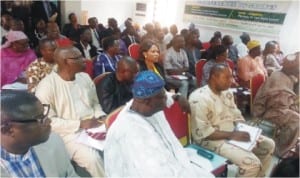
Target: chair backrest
89,68
111,117
199,70
179,122
100,77
205,45
133,50
230,63
255,83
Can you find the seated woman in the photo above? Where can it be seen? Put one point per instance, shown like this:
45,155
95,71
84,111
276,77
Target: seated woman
106,61
219,56
15,58
271,60
149,60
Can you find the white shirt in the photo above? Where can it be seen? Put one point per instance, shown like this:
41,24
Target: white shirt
95,40
86,51
139,146
242,50
70,102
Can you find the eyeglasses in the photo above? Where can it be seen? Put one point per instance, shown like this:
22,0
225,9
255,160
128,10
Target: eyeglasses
41,119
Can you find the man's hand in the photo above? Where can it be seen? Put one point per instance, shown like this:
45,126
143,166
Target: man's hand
53,17
240,136
90,123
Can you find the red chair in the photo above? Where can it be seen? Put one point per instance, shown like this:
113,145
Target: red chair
206,45
89,68
111,117
179,122
199,70
255,83
100,77
133,50
230,63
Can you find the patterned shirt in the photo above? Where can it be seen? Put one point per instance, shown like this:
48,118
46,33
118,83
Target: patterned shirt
26,165
36,71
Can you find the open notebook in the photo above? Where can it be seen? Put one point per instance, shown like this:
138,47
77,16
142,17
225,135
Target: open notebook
254,133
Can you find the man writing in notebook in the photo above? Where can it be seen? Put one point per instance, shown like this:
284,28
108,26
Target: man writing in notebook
214,116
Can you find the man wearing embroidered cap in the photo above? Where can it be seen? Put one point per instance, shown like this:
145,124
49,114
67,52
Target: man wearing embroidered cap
15,57
277,101
251,65
140,143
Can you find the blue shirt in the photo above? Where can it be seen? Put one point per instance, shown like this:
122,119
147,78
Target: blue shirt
105,63
26,165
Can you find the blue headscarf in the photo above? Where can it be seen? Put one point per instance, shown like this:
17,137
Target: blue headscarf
147,84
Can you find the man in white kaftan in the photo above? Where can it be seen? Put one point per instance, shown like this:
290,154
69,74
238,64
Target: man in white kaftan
145,146
71,103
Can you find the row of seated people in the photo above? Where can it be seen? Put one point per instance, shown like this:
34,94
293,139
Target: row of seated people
58,93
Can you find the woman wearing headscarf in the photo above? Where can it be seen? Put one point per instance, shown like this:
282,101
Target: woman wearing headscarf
15,58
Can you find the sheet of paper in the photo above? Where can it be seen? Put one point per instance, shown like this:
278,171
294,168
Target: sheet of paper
85,139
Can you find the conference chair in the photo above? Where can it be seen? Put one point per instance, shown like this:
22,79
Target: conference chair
199,70
133,50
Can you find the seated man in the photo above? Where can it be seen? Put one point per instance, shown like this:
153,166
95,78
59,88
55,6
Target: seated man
28,148
277,101
250,65
115,89
214,115
141,139
176,63
73,106
41,67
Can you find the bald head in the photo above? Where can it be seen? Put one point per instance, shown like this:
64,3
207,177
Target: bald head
290,64
127,68
217,69
62,53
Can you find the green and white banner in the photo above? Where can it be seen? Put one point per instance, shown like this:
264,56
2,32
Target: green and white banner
260,17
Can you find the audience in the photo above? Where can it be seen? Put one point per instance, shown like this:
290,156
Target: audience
115,89
42,66
193,53
277,101
142,119
208,54
87,49
213,118
28,148
71,30
220,54
250,65
15,58
73,106
177,63
169,37
227,41
93,23
106,61
242,47
271,62
149,60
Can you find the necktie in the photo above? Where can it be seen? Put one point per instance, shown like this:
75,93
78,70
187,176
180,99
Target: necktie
96,34
48,8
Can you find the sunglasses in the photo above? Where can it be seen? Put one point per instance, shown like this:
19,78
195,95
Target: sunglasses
41,119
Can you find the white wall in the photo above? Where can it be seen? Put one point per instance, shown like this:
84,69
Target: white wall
104,9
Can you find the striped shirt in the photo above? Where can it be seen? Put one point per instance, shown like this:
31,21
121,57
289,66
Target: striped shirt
26,165
105,63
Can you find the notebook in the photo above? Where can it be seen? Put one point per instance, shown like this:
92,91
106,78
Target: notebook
254,133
